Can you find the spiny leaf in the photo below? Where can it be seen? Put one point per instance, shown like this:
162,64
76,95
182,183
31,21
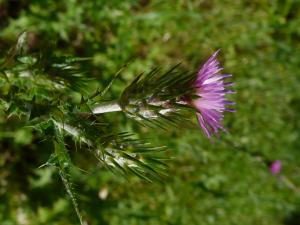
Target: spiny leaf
63,70
64,165
116,150
99,94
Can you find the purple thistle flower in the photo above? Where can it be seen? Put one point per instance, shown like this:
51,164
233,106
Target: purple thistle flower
210,88
275,167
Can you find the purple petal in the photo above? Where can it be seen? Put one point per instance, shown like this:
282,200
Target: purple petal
211,89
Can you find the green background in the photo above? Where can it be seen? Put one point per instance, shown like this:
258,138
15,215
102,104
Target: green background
225,181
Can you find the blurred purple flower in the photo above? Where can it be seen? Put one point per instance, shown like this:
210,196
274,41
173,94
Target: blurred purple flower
275,167
210,88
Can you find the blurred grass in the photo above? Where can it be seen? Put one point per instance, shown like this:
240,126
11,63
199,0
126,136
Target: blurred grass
225,182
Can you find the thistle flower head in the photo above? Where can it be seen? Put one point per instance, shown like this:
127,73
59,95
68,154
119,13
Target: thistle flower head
210,101
162,98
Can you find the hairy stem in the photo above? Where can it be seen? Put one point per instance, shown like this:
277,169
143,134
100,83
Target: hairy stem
111,106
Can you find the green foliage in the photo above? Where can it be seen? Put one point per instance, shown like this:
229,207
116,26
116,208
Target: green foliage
50,78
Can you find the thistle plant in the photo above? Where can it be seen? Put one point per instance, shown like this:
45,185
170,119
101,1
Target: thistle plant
35,90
